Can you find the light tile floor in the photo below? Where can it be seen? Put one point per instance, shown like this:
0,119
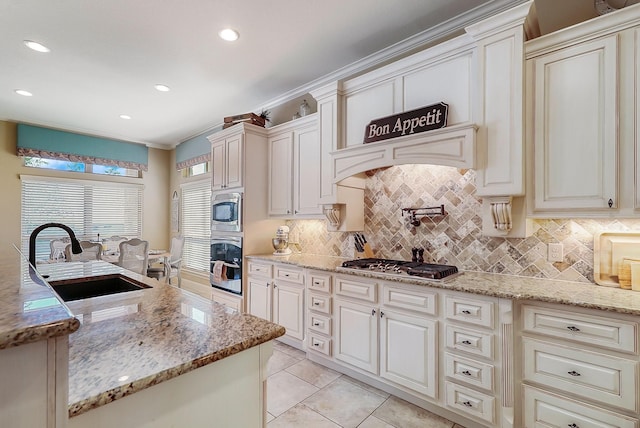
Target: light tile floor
301,393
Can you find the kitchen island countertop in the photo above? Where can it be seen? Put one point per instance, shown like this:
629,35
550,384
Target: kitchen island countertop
497,285
122,343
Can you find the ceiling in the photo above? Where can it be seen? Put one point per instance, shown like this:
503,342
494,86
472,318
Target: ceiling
106,57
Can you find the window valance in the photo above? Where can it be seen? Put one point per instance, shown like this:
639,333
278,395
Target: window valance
192,152
53,144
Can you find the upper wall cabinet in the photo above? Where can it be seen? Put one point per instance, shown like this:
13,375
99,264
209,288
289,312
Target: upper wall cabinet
294,169
227,162
575,139
581,119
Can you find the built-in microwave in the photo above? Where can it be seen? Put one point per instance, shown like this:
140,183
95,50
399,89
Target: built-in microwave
225,271
226,212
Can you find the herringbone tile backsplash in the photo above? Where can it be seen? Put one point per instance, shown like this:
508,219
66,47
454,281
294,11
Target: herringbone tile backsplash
457,237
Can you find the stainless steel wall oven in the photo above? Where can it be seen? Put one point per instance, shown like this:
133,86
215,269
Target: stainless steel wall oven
225,271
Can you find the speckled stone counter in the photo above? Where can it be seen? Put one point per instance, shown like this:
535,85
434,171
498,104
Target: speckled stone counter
124,342
497,285
29,312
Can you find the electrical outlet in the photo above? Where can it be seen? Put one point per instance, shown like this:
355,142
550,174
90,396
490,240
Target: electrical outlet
555,252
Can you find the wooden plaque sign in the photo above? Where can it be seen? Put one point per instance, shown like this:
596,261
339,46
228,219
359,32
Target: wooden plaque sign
409,122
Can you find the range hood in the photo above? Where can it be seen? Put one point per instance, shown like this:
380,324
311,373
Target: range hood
451,146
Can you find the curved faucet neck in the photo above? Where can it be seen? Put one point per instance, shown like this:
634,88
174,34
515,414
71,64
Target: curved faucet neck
75,245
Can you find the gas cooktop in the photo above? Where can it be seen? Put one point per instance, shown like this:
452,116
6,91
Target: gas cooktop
399,268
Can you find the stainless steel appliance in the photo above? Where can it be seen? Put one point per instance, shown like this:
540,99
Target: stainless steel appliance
399,268
225,271
226,213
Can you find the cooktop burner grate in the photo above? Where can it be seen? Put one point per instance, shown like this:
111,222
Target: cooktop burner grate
401,267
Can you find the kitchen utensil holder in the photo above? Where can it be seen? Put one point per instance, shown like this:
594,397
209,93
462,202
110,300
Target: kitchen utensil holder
415,213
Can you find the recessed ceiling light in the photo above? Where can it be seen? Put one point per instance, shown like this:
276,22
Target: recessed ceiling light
125,116
162,88
36,46
23,93
229,35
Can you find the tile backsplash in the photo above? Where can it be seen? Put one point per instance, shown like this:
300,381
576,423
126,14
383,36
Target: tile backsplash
457,237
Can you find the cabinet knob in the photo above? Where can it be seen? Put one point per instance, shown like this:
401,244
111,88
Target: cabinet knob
573,426
467,403
373,312
288,211
381,314
316,303
317,324
610,203
316,282
466,372
466,312
268,284
574,373
573,328
466,342
295,211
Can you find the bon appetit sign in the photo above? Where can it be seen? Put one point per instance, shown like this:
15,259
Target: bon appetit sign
410,122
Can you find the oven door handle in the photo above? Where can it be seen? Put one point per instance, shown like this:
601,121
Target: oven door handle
231,265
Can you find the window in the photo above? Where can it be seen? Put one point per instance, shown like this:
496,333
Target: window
196,224
201,168
63,165
88,207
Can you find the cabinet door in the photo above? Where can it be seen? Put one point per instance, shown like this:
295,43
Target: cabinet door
218,161
288,308
306,192
357,335
234,162
260,298
408,353
280,173
575,127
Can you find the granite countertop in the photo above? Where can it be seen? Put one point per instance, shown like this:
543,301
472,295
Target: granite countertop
125,342
497,285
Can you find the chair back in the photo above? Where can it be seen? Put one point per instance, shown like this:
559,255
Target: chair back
177,246
134,255
90,251
57,248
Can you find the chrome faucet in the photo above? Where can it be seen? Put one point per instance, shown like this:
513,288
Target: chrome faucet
75,245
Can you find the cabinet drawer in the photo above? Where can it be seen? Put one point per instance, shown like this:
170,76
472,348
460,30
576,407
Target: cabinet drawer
291,274
471,311
469,371
319,323
544,409
471,341
259,268
319,344
418,300
318,281
471,402
591,330
319,303
595,376
364,290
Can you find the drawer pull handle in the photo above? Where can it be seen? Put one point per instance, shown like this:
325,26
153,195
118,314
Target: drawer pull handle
467,404
466,342
573,426
286,274
316,344
316,303
466,373
316,324
316,282
466,312
573,373
572,328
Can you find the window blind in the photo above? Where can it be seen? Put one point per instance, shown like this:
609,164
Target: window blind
196,224
88,207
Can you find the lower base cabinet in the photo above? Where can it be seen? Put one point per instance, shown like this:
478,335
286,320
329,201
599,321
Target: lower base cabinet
544,409
288,308
356,335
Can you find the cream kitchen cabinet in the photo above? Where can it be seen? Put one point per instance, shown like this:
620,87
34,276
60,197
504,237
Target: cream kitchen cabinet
319,312
579,367
276,293
294,169
385,339
227,162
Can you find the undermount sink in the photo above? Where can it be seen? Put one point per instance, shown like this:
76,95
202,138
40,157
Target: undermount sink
86,288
